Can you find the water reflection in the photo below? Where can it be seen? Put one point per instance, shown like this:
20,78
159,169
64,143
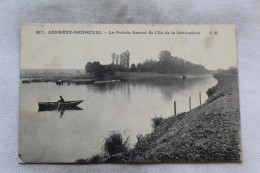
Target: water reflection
61,111
167,86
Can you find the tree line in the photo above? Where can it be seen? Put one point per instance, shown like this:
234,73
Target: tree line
121,60
166,63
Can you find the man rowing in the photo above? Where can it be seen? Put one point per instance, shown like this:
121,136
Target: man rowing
61,100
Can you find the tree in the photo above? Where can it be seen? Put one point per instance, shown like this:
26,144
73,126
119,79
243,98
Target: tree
105,70
127,58
149,65
117,58
165,56
122,60
133,67
88,67
92,67
97,69
139,66
167,63
113,57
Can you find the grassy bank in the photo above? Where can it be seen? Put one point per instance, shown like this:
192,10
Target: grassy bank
210,132
122,76
142,75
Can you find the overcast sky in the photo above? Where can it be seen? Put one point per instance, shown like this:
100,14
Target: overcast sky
73,51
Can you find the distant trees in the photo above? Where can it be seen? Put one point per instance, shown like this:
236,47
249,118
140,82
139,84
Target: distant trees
126,58
92,67
113,57
165,56
117,59
166,64
122,60
170,64
149,66
105,70
133,67
232,70
97,69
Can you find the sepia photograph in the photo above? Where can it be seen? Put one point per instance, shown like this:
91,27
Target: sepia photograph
128,93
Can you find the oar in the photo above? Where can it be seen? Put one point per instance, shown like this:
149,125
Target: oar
58,106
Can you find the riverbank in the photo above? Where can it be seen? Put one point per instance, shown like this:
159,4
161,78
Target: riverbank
118,76
210,132
142,76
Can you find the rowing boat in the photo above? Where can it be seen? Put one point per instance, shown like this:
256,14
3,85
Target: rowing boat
58,105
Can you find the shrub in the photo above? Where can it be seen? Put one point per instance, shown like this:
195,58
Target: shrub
115,144
156,122
95,159
81,161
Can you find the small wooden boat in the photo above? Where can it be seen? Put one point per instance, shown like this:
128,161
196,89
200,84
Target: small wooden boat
38,80
26,81
58,105
60,109
59,82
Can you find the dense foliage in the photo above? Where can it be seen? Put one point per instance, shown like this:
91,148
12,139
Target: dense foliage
166,64
115,144
98,69
170,64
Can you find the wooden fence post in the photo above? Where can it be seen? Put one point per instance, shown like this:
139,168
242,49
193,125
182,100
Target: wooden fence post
190,102
200,97
175,108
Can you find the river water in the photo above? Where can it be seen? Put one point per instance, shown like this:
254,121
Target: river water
125,107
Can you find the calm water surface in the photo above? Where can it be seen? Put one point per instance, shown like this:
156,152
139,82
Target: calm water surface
125,107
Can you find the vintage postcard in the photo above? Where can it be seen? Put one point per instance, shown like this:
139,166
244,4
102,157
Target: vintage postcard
128,94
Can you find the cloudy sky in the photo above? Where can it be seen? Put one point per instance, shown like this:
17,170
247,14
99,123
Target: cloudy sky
73,51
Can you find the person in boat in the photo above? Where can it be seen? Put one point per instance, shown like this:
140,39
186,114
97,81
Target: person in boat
61,100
